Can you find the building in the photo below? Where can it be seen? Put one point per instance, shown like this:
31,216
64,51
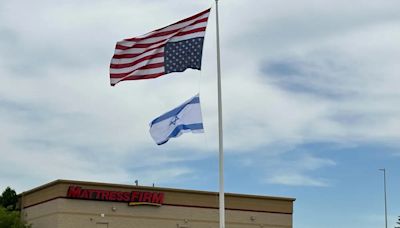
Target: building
77,204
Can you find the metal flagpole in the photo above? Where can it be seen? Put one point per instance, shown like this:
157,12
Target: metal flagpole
220,132
384,191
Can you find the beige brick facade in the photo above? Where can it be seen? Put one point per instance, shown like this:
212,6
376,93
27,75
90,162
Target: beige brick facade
49,207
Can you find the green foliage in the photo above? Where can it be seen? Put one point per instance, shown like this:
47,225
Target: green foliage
11,219
398,223
9,199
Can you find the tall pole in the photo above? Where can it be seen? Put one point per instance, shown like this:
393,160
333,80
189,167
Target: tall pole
384,191
220,132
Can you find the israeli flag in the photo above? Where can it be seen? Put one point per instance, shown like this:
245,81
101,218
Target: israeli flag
185,118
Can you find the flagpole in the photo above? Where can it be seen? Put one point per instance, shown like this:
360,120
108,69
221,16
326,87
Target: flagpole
220,132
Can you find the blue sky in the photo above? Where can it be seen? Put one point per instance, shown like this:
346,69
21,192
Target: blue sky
311,94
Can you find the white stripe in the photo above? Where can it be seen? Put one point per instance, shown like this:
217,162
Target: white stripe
137,50
145,72
146,41
139,72
198,131
188,36
149,71
129,60
114,81
196,26
137,66
184,24
168,28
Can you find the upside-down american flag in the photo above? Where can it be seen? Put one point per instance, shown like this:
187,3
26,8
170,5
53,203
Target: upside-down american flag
173,48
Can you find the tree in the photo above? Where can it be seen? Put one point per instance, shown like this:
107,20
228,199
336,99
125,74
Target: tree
9,199
11,219
398,223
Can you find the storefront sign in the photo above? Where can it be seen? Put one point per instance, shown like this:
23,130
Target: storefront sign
133,198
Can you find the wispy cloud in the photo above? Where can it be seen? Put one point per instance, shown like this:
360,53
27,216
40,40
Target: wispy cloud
296,179
300,171
292,74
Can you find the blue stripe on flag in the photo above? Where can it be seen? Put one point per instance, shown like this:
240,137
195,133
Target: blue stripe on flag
175,111
176,132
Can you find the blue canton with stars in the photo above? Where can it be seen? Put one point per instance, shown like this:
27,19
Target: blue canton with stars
178,56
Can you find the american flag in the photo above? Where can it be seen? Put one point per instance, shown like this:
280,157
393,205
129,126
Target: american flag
173,48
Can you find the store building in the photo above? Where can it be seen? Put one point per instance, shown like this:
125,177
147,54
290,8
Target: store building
78,204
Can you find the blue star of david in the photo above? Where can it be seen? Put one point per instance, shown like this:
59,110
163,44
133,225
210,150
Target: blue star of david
173,121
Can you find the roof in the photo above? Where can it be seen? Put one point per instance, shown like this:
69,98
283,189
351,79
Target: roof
175,197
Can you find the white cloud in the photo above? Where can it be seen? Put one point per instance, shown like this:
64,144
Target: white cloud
296,179
56,102
298,171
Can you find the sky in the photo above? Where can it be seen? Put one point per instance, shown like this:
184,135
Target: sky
310,92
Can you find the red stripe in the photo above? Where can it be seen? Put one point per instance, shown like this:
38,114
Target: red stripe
136,45
150,66
128,56
189,18
168,32
140,77
176,30
202,29
124,65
